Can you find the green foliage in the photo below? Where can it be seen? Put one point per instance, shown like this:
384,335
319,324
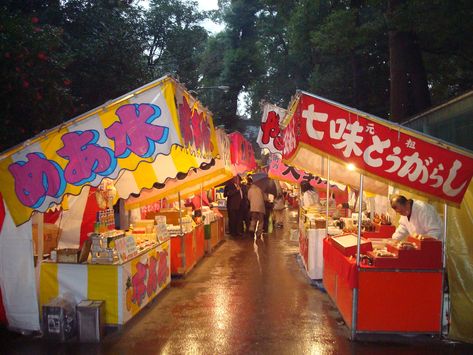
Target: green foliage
62,58
176,39
237,63
34,89
107,45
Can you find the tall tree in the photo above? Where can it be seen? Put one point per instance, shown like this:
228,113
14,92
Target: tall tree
107,41
409,91
176,39
242,63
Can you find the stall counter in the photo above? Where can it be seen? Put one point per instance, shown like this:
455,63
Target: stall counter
389,300
187,250
126,288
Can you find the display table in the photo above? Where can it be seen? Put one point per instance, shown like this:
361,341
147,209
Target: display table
221,229
389,300
187,250
199,235
214,234
310,249
126,288
224,213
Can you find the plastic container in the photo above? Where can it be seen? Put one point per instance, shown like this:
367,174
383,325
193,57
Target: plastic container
90,318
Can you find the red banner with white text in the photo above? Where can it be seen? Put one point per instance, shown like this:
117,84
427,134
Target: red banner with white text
377,147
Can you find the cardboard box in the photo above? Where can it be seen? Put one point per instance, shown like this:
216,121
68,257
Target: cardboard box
50,237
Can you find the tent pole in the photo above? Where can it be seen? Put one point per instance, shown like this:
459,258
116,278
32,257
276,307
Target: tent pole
180,209
444,261
182,236
358,245
201,196
327,200
360,219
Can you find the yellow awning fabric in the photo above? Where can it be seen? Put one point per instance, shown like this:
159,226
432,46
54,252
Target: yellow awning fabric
460,268
195,180
153,132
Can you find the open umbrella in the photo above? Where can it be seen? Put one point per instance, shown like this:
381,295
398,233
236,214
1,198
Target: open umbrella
265,183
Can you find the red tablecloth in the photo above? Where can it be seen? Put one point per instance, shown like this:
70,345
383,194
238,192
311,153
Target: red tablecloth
345,267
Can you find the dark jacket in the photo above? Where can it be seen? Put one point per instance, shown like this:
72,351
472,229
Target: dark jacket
233,196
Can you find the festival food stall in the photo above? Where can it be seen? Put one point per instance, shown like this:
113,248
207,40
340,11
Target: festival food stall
188,247
128,144
312,228
392,287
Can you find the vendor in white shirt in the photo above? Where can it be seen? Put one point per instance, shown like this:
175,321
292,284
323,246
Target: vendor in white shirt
417,217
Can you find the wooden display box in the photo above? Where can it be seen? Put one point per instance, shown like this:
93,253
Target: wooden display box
385,229
68,256
347,244
427,255
172,215
384,262
381,231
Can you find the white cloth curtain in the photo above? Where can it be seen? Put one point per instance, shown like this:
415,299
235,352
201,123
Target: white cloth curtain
17,275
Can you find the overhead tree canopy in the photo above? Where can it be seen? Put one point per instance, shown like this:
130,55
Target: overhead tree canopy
392,58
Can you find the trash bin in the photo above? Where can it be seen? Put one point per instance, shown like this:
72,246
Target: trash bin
91,317
59,319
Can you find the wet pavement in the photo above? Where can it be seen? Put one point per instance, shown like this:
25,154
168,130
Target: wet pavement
245,298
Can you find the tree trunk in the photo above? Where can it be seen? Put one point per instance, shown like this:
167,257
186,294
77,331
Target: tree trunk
409,92
229,117
420,88
357,81
399,96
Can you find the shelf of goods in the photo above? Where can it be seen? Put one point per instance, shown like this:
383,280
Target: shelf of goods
224,213
312,232
399,287
126,287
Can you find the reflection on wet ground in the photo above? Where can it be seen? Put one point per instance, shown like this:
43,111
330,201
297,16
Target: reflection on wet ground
249,297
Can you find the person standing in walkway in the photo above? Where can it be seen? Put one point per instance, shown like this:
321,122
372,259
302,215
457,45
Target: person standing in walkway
234,195
278,208
257,209
245,204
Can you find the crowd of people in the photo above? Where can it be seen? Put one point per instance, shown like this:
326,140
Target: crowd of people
250,208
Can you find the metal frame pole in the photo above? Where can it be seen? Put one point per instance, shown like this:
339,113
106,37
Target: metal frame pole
444,261
358,247
201,196
327,201
182,236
